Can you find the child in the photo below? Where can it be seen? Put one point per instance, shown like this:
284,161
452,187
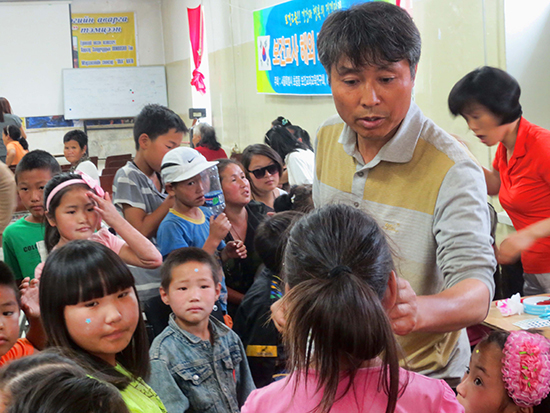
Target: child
91,312
75,204
11,346
343,356
16,145
253,323
138,191
20,239
75,150
197,362
49,382
189,224
508,373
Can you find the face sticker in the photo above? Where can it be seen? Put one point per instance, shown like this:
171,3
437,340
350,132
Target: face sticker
196,270
88,321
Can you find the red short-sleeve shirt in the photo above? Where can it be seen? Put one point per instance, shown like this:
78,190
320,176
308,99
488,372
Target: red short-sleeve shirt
525,189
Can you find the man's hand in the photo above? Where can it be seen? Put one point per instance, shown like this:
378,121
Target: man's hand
404,314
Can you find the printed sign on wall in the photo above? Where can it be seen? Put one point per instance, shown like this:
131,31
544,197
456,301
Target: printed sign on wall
286,46
104,40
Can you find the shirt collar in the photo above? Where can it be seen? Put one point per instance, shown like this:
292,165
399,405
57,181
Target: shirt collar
523,131
215,330
399,149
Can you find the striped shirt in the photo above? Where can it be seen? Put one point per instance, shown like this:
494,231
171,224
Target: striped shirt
429,197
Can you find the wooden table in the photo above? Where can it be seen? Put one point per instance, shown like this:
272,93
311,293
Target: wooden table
496,321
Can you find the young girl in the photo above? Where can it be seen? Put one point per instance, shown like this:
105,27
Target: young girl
75,205
341,348
508,373
16,145
91,312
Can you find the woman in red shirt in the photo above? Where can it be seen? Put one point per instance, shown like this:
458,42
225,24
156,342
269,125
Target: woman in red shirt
204,140
488,99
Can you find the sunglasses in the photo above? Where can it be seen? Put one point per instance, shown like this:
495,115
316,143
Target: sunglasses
260,172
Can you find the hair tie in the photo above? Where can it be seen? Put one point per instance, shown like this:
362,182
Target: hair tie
336,271
526,368
84,179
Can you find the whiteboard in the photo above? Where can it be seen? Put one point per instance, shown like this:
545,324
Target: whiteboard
36,46
119,92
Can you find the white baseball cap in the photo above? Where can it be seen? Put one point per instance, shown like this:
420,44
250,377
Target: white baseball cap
183,163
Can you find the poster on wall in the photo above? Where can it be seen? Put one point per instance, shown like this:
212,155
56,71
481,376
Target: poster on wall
104,40
286,46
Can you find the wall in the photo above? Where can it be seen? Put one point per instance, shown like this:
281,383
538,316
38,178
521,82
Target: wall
458,36
150,47
528,55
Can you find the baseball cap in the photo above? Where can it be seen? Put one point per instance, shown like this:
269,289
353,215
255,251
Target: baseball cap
183,163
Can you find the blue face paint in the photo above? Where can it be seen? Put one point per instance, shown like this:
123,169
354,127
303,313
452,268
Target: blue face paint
88,321
196,270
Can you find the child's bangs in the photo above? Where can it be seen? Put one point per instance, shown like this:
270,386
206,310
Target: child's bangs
84,270
101,282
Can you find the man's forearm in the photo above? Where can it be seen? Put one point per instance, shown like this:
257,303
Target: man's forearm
464,304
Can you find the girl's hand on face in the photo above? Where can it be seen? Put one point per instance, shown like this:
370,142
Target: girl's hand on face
105,208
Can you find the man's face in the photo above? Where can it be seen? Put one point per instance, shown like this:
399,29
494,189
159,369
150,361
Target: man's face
372,100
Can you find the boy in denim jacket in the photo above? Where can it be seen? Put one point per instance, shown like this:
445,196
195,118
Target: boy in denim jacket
197,363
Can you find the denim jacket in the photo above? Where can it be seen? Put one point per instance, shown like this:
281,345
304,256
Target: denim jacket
192,375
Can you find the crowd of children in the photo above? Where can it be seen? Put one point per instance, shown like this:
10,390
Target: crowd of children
70,267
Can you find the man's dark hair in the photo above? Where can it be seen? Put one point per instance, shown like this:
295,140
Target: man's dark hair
156,120
76,135
37,159
369,34
490,87
184,255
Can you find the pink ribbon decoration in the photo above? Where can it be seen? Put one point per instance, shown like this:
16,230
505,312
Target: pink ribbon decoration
526,368
196,35
91,182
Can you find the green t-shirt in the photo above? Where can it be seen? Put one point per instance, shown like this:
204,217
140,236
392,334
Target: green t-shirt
19,246
139,397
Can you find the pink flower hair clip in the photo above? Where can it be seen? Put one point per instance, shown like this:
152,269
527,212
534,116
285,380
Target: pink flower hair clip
526,368
92,183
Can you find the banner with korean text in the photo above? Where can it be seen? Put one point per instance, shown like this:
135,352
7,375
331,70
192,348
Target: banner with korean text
286,46
104,40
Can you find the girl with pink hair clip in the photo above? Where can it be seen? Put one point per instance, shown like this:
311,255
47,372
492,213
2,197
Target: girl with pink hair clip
509,372
75,204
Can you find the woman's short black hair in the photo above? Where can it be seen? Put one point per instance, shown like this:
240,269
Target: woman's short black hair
76,135
490,87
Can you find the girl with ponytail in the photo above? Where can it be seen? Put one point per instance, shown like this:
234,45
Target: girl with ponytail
342,353
16,145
